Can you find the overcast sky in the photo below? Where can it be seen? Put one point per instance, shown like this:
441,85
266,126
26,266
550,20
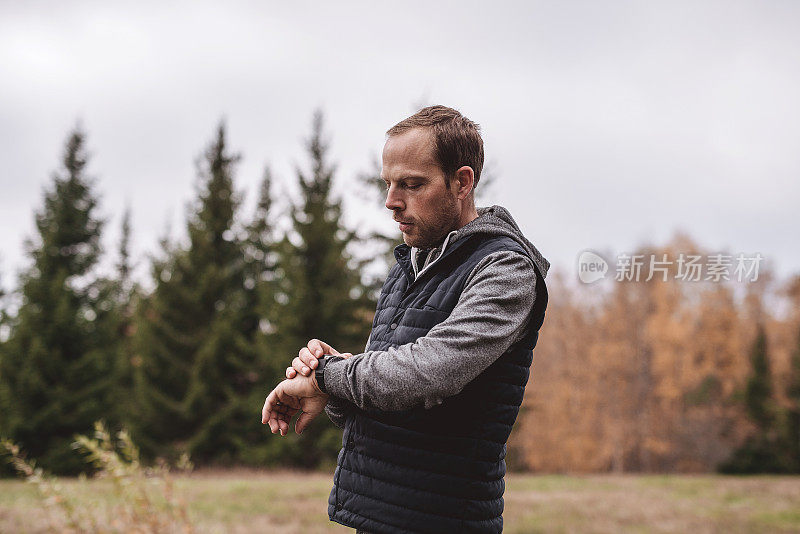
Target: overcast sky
609,124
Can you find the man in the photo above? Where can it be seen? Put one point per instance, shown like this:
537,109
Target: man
428,407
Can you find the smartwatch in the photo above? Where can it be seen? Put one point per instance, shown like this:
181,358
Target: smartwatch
319,372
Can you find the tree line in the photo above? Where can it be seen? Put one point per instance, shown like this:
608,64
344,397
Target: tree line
661,376
185,367
665,376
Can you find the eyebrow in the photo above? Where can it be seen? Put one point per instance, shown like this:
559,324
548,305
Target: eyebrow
410,177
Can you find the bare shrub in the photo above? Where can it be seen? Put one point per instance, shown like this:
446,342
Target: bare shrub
142,500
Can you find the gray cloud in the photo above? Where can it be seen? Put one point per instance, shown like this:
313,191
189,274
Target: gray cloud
610,123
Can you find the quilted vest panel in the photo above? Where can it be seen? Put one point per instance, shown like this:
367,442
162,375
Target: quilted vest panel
441,469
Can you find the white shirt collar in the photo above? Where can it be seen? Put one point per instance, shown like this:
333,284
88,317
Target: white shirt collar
432,255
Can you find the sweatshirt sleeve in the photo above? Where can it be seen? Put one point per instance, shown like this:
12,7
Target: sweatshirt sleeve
337,411
492,313
336,408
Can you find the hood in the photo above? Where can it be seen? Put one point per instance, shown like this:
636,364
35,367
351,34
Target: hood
496,220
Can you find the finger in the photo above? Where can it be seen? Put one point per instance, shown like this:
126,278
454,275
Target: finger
268,403
346,355
273,425
307,358
290,372
272,409
276,426
280,415
318,348
303,421
300,367
279,422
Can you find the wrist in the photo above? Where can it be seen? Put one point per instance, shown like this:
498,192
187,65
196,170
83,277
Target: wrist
315,383
318,374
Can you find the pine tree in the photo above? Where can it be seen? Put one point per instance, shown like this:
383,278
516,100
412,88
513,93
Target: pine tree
373,190
124,293
4,332
195,352
320,292
758,394
124,266
55,365
791,430
759,453
3,321
269,362
260,261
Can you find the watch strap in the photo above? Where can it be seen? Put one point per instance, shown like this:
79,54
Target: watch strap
319,372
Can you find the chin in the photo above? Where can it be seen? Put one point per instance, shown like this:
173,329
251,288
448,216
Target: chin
410,241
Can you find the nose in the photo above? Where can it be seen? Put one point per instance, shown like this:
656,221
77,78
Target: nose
394,200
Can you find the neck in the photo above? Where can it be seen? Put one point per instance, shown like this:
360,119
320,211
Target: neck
468,214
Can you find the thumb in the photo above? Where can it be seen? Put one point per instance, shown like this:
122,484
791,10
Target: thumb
346,355
303,421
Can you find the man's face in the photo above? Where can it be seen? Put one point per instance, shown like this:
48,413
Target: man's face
417,192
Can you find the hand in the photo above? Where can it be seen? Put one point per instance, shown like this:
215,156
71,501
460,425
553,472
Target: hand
306,359
289,397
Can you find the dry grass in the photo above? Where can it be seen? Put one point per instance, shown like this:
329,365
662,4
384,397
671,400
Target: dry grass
652,503
250,501
123,495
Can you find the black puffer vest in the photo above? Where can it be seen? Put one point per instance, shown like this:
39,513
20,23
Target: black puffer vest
439,470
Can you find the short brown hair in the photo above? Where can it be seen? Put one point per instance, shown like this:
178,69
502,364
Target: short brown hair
458,140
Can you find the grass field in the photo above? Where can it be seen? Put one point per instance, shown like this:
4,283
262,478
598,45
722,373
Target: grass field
288,502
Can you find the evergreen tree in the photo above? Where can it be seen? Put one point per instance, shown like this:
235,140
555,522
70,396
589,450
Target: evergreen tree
759,453
269,363
124,293
3,321
373,190
196,358
124,266
55,366
758,393
320,293
791,429
260,262
4,331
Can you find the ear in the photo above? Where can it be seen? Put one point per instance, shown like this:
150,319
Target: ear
464,180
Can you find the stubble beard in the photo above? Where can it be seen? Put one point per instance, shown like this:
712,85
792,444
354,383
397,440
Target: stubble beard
431,235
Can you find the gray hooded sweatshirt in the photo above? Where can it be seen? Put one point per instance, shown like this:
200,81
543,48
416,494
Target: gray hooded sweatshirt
491,314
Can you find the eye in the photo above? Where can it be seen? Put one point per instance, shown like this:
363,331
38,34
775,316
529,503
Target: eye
414,186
